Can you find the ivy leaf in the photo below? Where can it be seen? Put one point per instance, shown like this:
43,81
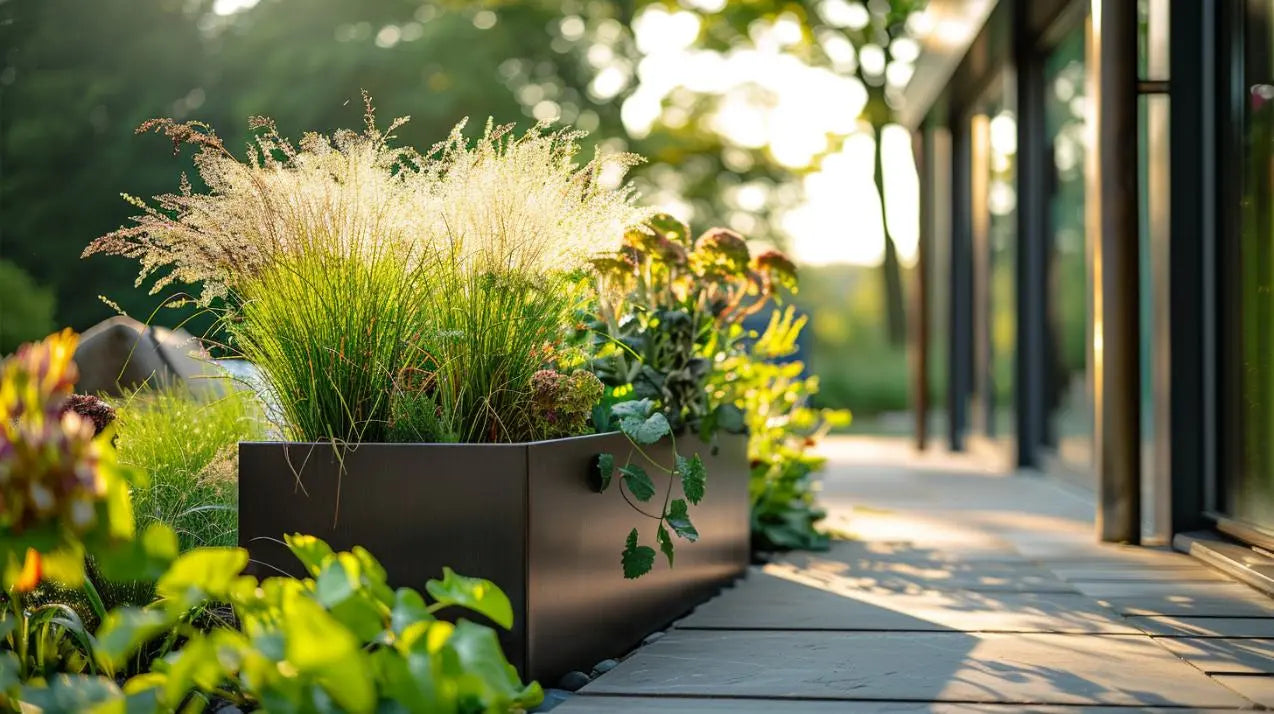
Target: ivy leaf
647,431
679,518
639,420
637,559
638,482
633,409
729,418
202,573
481,596
665,543
603,469
311,551
693,477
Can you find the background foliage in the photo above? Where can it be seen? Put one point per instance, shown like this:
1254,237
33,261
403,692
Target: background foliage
75,84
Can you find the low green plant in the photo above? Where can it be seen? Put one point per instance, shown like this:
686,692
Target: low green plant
339,640
668,318
669,309
62,493
782,430
188,445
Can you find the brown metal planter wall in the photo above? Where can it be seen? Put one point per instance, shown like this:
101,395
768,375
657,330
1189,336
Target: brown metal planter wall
520,515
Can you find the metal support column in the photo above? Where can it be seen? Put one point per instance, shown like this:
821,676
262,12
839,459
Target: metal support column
922,150
1030,370
1113,207
960,330
1192,261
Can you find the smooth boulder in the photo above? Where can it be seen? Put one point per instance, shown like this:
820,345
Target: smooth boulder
121,354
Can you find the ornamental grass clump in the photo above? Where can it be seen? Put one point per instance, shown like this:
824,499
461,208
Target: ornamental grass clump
385,293
188,445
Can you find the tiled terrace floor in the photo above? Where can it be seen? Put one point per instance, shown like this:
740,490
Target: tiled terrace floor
964,590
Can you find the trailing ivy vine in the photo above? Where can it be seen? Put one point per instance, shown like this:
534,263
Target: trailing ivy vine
644,425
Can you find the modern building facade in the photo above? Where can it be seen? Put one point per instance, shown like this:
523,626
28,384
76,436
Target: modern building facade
1096,280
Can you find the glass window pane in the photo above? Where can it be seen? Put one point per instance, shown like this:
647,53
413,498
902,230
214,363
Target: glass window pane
994,213
1251,495
1070,423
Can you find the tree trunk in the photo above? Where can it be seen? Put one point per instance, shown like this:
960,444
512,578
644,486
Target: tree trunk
895,311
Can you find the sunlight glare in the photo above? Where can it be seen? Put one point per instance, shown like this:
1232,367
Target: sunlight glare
229,7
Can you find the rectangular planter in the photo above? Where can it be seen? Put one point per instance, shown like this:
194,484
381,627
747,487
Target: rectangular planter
520,515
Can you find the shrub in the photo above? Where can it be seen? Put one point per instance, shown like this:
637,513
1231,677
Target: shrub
188,445
668,318
782,430
669,309
26,309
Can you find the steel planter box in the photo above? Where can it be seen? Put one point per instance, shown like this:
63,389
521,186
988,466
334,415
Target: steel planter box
520,515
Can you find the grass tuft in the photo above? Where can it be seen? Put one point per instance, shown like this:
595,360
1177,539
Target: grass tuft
189,446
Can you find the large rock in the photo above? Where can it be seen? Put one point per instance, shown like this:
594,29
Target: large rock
122,354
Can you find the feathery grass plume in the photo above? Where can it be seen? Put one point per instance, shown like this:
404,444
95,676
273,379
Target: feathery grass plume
347,263
340,195
522,203
519,219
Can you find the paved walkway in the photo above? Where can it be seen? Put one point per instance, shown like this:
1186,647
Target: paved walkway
965,589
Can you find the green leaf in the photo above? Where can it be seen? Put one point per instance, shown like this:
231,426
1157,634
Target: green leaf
665,543
195,664
339,588
317,645
638,482
309,550
202,573
409,608
729,418
481,596
679,519
126,629
75,693
10,671
483,673
603,470
633,409
636,559
646,431
693,477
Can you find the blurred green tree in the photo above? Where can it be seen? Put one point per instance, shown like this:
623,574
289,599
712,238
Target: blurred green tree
75,82
870,40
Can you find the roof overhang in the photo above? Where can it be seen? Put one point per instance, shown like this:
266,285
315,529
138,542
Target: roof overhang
946,31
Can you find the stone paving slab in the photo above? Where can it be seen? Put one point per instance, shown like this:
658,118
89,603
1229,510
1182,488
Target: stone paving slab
1224,656
1259,689
1192,606
586,704
1050,554
1123,573
940,667
1182,590
1204,626
792,600
928,574
904,551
